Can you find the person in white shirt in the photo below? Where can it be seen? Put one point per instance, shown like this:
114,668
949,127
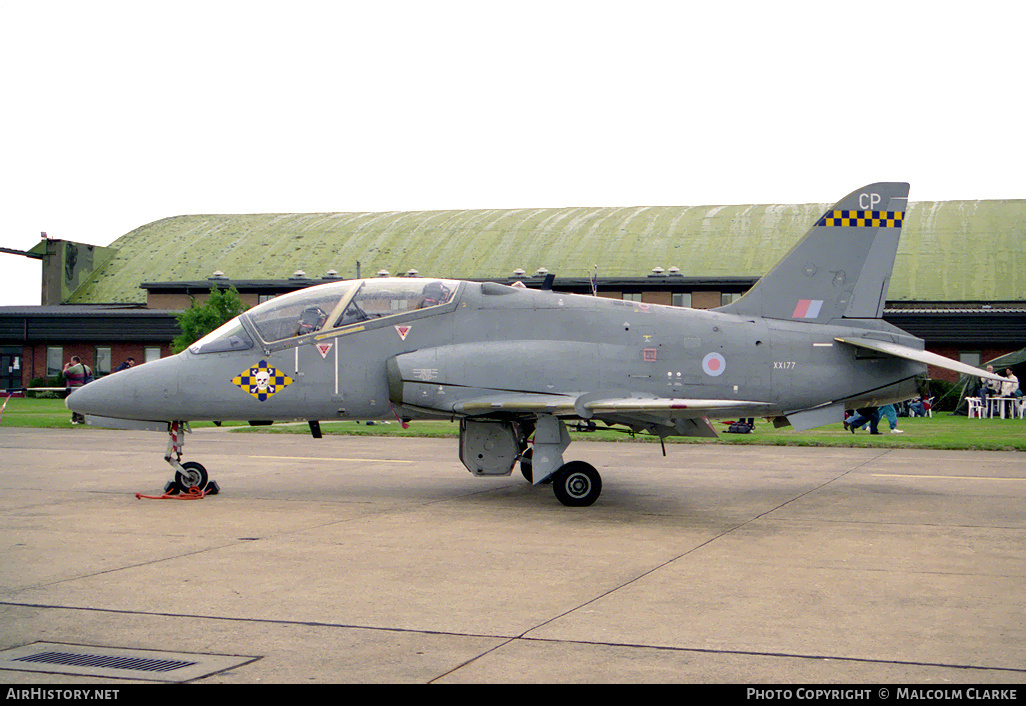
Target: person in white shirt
1010,385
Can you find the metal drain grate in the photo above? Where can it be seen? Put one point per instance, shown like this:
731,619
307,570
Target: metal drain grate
105,661
117,662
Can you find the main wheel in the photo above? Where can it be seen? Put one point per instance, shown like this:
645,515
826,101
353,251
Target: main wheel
194,476
577,484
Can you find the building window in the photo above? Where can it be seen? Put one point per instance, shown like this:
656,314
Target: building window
681,299
152,353
632,296
729,298
54,361
970,358
102,366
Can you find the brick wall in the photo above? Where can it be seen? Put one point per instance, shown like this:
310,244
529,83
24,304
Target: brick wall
34,357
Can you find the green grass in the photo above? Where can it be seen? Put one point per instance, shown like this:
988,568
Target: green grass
52,414
943,431
43,414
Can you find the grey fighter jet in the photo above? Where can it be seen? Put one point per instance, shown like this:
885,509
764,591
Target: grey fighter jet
514,365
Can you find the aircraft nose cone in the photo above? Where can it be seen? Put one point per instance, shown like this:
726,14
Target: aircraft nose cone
145,392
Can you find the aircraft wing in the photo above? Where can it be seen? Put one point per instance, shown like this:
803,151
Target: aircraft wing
661,416
899,351
587,406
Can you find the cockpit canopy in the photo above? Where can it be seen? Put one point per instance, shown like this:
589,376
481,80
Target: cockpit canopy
330,306
298,313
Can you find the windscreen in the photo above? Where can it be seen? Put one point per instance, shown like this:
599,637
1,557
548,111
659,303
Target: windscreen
229,337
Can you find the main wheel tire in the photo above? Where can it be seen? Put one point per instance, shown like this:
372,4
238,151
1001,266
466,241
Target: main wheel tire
577,484
194,476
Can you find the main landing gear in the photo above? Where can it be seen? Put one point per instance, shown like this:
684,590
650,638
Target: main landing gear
190,477
492,448
575,484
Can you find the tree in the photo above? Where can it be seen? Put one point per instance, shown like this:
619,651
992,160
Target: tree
199,320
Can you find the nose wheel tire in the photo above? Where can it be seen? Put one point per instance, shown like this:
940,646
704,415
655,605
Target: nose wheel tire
192,475
577,484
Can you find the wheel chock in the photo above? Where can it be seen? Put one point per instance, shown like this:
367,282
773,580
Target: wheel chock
173,492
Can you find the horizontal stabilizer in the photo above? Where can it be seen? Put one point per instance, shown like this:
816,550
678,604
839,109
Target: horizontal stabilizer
899,351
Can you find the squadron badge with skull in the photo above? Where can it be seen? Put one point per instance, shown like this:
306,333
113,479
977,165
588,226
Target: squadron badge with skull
262,380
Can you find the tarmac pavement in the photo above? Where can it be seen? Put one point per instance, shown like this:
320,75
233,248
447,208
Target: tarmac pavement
362,559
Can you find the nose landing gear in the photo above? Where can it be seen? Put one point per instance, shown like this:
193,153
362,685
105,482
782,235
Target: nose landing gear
190,477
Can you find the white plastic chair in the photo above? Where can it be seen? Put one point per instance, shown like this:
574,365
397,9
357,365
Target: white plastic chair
975,407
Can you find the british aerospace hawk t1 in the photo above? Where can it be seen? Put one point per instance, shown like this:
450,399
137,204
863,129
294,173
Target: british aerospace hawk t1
515,365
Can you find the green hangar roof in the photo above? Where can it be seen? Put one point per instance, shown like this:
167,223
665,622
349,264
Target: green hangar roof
949,250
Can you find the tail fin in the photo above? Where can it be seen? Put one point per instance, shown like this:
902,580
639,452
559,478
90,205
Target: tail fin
841,268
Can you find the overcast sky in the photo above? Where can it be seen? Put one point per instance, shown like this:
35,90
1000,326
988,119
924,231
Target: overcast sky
117,114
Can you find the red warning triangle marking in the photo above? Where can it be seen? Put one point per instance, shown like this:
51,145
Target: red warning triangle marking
402,331
324,348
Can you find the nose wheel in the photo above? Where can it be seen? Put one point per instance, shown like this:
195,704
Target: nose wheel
192,475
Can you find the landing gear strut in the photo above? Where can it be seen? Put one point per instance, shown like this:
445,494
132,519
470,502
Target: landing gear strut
188,475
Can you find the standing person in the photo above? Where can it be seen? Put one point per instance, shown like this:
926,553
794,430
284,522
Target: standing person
77,374
891,413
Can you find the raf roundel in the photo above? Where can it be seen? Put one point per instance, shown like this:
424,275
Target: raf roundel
713,364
